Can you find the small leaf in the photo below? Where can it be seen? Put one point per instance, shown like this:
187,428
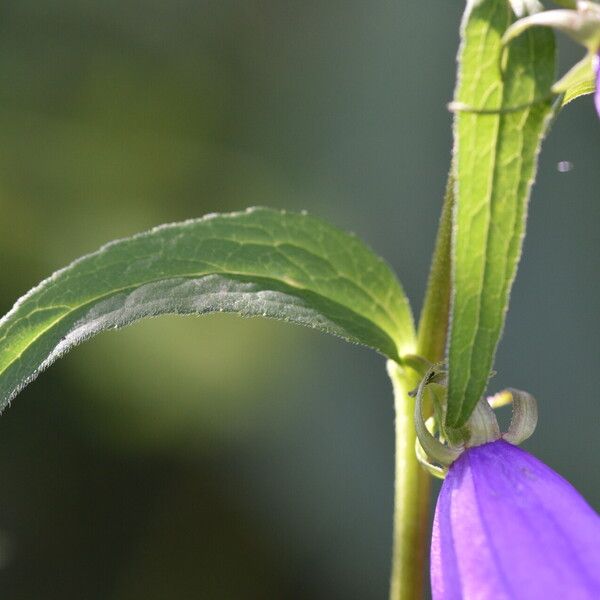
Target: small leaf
260,262
584,88
433,321
497,142
578,81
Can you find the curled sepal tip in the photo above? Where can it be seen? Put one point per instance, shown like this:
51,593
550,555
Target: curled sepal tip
582,24
437,448
524,417
432,447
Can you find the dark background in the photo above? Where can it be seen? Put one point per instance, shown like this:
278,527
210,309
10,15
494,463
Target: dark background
239,459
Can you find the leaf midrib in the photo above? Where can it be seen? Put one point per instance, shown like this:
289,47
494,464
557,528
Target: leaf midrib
117,291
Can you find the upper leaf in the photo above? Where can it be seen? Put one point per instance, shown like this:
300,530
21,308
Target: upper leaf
505,107
256,263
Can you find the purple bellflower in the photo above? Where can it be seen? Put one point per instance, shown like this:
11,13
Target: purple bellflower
508,527
597,93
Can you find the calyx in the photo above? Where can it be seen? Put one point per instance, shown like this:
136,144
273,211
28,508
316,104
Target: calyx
438,447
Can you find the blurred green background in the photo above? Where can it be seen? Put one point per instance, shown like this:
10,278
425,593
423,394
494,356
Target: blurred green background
239,459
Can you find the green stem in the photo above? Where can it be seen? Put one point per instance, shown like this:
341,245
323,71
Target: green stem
411,509
411,494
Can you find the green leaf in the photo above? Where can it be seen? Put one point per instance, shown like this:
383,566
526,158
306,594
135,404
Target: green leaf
260,262
433,322
578,81
504,97
583,88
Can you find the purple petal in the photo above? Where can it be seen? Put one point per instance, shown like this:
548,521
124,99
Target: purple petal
508,527
597,94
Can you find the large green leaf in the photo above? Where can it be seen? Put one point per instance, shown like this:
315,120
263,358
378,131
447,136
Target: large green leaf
503,108
256,263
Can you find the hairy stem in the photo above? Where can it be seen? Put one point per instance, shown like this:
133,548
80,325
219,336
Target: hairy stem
411,509
411,494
